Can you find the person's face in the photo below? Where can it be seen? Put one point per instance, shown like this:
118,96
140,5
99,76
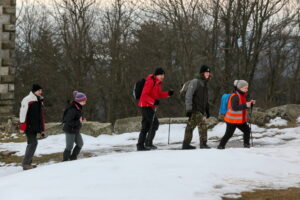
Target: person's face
38,92
206,75
244,89
82,103
160,77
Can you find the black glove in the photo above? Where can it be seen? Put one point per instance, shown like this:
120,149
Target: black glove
189,114
156,103
171,92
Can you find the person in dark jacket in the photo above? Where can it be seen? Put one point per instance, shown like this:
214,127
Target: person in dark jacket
72,120
197,106
236,115
32,122
148,102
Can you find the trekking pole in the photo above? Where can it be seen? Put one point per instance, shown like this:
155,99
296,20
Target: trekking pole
169,130
250,123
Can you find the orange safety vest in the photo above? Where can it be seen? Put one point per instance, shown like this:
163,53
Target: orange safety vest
235,117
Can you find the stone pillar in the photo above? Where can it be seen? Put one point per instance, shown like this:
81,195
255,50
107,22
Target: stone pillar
7,46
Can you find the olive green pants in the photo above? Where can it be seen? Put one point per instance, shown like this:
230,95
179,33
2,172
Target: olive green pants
197,119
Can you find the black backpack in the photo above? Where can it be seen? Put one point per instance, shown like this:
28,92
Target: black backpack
138,89
139,86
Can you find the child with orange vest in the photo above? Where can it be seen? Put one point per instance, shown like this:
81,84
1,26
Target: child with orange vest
236,115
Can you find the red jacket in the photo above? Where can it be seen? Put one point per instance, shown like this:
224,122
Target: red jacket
151,92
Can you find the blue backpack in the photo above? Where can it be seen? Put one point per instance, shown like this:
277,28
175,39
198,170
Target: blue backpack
224,103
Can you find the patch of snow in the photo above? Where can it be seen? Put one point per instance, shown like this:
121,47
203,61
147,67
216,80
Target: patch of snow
278,121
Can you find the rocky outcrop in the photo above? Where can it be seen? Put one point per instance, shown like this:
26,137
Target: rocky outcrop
127,125
289,112
259,118
133,124
89,128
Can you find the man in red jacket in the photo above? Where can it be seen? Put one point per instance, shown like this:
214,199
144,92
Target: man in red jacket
148,102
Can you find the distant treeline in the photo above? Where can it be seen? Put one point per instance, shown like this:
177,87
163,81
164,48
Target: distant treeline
102,51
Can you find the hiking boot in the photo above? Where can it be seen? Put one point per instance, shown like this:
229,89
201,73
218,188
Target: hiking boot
246,145
188,146
152,147
142,148
75,153
66,155
220,147
26,167
204,146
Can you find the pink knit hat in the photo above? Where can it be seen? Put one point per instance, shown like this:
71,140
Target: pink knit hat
79,96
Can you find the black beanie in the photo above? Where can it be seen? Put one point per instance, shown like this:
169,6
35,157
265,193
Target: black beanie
36,87
204,68
159,71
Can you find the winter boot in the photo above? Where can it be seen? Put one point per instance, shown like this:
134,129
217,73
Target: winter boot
66,155
187,146
220,147
150,145
204,146
75,153
246,145
142,148
27,167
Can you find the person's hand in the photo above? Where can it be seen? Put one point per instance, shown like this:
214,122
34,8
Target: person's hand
189,114
253,101
171,92
248,104
82,119
156,103
21,131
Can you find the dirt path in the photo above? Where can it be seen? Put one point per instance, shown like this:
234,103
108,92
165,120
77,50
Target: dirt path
286,194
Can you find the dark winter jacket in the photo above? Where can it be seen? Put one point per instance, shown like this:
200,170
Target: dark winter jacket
71,118
196,98
151,92
32,114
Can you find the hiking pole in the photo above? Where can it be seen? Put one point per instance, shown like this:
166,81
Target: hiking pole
151,127
169,130
250,123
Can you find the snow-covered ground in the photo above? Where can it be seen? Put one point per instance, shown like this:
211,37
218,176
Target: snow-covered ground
162,174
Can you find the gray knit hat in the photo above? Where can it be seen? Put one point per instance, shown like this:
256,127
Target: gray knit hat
240,83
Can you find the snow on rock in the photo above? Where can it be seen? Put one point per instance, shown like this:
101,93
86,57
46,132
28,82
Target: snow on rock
278,121
298,119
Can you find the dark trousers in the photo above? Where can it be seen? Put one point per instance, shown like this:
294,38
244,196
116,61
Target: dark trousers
31,147
149,126
72,138
230,128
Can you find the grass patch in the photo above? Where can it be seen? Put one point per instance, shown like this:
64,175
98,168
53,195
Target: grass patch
284,194
55,157
16,137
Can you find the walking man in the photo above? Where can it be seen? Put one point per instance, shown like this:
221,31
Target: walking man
148,102
196,102
32,122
